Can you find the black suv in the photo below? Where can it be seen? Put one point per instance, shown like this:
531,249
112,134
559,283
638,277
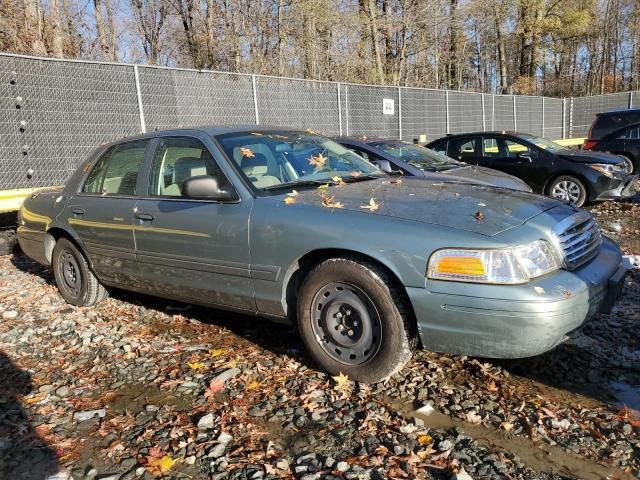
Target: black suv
617,132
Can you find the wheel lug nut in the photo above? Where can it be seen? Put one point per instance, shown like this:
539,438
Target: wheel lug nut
339,315
355,323
350,332
348,312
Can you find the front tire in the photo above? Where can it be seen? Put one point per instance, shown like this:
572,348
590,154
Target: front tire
568,188
76,282
354,320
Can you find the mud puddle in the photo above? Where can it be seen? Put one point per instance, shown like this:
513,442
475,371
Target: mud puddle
134,397
536,455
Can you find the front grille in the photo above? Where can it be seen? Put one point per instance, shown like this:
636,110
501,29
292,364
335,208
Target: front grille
579,239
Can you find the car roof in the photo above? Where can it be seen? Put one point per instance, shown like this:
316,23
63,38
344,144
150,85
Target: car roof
208,130
488,132
363,139
619,110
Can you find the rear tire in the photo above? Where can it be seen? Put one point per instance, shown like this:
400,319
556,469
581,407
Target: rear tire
569,188
354,320
76,282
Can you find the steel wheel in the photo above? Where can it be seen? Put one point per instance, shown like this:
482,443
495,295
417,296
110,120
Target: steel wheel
346,323
71,273
566,190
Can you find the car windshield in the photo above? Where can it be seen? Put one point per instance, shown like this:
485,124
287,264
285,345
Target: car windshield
543,143
419,157
284,158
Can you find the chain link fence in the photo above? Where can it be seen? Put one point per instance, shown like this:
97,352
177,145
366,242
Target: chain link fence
54,112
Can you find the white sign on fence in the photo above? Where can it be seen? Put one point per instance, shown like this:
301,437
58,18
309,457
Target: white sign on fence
388,106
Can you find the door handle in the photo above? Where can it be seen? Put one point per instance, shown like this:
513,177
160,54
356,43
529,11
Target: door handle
143,216
78,211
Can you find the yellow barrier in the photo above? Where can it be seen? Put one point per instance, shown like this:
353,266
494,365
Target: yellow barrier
11,200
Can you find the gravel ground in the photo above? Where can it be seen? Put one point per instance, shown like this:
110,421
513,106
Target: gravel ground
139,387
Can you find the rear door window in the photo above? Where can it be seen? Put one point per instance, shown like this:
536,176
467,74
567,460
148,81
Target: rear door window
462,148
631,133
116,172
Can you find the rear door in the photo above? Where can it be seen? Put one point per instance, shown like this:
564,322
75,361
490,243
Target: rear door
196,250
465,149
101,214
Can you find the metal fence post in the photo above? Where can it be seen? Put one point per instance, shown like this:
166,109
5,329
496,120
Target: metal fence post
143,124
564,116
484,120
630,99
255,99
542,116
570,117
400,112
493,111
339,110
515,116
446,108
346,106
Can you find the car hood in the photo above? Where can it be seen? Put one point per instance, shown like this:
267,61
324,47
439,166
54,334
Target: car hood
489,176
465,206
580,156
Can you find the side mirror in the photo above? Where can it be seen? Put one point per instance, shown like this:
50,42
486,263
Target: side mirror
205,187
383,165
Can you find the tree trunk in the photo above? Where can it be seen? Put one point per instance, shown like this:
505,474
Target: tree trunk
103,42
502,58
56,30
372,11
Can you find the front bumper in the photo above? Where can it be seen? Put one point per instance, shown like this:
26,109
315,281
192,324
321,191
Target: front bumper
515,321
618,188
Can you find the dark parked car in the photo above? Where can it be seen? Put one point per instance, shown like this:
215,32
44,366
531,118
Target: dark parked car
419,161
617,132
366,264
551,169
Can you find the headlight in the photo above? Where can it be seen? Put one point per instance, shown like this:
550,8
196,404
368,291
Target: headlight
502,266
607,169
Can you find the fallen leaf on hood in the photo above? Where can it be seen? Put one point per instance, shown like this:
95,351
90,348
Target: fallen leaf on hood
479,216
289,200
482,204
372,206
356,173
395,181
247,152
293,193
329,202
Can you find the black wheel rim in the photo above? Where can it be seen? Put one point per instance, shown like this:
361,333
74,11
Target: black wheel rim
346,323
70,273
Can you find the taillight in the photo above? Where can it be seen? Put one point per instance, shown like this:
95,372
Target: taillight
589,144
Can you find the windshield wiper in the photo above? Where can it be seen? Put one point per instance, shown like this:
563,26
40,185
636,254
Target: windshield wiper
371,176
298,183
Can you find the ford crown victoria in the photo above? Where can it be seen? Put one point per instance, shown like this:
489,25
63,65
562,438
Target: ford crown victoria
291,226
